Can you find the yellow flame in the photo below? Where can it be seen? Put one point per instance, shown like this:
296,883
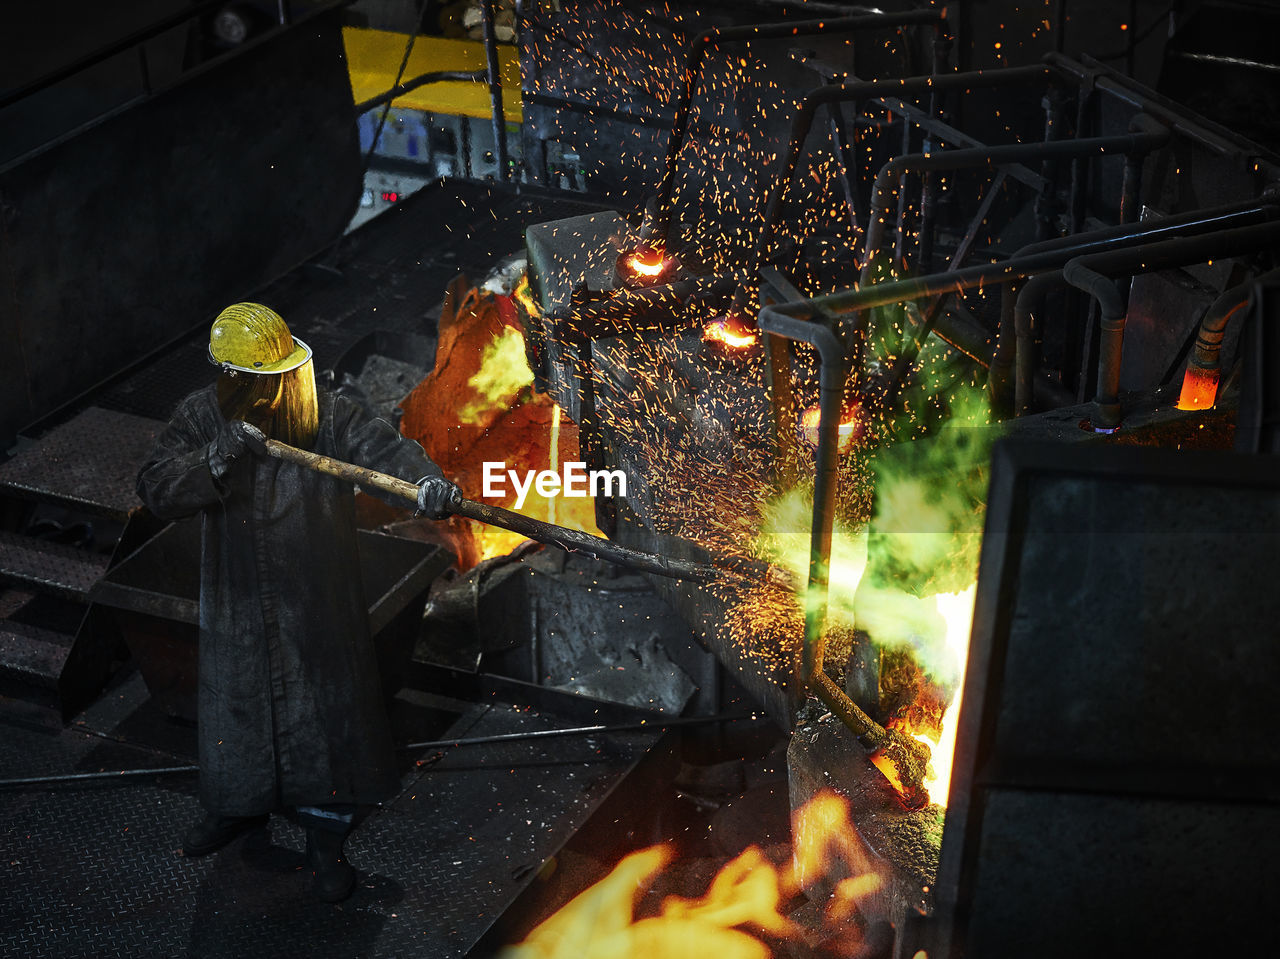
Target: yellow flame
504,372
745,897
825,846
849,894
957,610
600,924
744,892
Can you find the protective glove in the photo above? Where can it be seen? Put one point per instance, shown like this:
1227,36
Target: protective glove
238,437
435,494
234,440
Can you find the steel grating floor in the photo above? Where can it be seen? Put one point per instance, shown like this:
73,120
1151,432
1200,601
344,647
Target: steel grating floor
94,869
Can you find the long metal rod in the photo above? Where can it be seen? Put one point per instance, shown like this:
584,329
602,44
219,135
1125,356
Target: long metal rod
104,774
673,723
569,540
698,48
495,89
410,747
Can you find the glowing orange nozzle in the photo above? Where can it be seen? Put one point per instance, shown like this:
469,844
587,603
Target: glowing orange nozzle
647,263
1199,388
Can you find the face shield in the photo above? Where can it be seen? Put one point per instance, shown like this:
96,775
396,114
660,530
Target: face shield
266,376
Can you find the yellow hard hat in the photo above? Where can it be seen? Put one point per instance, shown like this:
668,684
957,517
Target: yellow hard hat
252,338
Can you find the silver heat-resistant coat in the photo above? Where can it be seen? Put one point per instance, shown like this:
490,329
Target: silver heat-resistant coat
290,706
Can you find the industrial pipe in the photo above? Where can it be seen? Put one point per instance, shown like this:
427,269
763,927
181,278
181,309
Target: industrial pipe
1027,310
853,92
494,75
1200,381
661,226
1180,121
1146,136
795,321
909,756
831,378
1096,274
1192,223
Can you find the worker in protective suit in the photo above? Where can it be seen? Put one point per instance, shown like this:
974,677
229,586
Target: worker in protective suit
290,708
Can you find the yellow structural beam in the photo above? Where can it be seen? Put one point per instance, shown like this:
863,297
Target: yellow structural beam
373,57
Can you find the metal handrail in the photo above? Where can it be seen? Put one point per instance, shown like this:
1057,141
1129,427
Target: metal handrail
814,322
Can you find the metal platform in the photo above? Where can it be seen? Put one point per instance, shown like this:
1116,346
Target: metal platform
89,463
52,567
94,869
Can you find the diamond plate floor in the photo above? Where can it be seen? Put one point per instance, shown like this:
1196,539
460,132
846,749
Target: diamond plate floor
94,869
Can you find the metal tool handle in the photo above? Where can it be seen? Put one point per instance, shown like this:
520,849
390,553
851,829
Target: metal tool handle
567,539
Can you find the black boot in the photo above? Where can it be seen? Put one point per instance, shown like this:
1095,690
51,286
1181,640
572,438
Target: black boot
333,877
214,832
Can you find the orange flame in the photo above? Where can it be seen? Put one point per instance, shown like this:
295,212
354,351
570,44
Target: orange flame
523,295
744,899
1199,388
720,331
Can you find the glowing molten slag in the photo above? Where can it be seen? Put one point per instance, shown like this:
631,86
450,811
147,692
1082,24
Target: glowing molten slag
745,898
720,331
848,431
1199,388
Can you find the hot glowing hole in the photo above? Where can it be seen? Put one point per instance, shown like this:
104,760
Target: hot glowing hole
650,264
